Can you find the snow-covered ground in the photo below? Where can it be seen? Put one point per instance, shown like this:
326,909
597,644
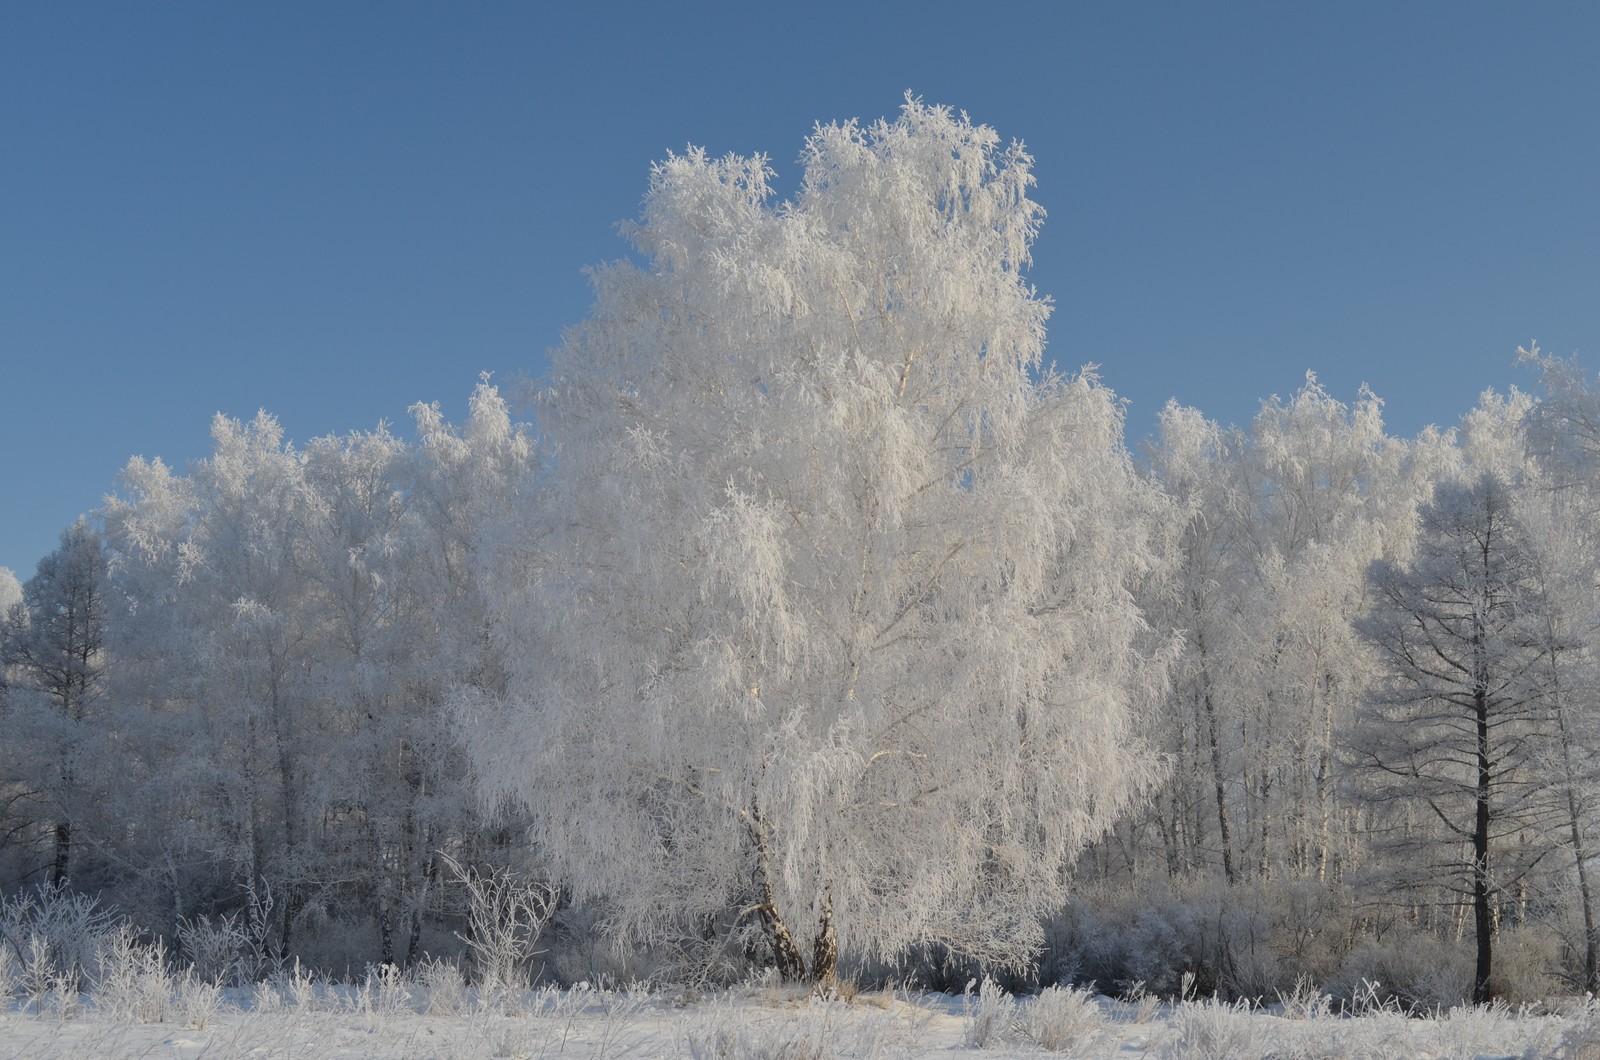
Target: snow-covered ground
391,1019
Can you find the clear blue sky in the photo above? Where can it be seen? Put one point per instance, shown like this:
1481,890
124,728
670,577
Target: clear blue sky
332,210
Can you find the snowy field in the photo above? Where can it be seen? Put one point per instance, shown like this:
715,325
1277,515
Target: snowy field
388,1018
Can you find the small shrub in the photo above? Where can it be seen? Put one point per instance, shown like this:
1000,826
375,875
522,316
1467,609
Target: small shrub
38,974
444,987
265,998
196,1001
55,935
1211,1030
217,950
1417,973
1578,1037
505,917
295,986
1142,1005
1528,965
1305,1001
1060,1018
991,1013
131,981
62,1000
382,992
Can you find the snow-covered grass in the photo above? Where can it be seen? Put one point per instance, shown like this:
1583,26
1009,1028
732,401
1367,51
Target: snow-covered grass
143,1010
75,982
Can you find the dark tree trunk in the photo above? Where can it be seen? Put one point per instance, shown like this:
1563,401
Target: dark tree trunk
825,951
58,871
385,934
1580,853
1218,782
414,945
414,939
293,904
1482,919
1214,740
785,954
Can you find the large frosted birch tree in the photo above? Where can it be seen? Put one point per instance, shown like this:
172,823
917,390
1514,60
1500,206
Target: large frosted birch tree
825,614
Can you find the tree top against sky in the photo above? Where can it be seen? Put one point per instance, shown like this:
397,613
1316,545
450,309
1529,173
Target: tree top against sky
333,213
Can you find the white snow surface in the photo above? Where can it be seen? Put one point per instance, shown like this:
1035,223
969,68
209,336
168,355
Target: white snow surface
396,1019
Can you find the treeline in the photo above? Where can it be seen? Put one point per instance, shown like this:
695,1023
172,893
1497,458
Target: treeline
825,628
226,695
1382,727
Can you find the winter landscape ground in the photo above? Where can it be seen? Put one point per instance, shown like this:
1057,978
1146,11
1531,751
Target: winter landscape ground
388,1017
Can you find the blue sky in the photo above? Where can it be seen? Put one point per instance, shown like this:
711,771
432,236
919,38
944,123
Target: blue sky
334,210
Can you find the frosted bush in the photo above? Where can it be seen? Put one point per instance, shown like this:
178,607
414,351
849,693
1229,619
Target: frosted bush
1141,1006
991,1013
505,918
196,1001
10,975
1235,942
1305,1001
38,976
295,986
1211,1030
265,998
1152,945
62,1000
131,981
215,949
1528,964
55,934
1577,1037
444,987
1418,972
382,993
1060,1018
1368,997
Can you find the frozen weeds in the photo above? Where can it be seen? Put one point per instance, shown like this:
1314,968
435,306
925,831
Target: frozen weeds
387,1016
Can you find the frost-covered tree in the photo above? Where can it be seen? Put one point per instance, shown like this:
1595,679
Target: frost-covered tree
1331,492
216,648
1455,732
1558,502
1563,429
1201,466
52,643
463,482
1280,522
10,590
291,622
1564,624
825,614
387,556
10,596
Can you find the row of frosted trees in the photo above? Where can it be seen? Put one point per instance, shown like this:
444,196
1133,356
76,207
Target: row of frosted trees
228,698
238,686
828,625
1383,719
